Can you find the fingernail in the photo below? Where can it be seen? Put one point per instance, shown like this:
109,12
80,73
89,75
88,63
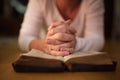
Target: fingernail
51,41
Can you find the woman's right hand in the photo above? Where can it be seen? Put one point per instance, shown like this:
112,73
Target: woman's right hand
61,38
42,45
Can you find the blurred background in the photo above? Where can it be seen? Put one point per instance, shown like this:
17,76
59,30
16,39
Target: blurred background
12,12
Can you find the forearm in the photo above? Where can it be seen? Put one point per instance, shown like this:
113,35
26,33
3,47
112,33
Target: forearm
93,34
89,44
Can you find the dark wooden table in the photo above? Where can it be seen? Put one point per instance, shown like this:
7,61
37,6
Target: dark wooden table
9,51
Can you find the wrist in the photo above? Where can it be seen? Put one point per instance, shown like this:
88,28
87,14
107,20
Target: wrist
37,44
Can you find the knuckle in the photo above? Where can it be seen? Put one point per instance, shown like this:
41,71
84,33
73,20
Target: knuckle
54,30
71,37
67,45
60,36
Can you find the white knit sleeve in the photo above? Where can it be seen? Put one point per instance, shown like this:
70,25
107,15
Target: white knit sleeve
31,25
93,38
94,43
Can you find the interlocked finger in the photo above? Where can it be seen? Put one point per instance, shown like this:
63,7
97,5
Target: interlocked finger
59,53
54,41
63,37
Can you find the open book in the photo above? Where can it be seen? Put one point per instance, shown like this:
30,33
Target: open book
37,61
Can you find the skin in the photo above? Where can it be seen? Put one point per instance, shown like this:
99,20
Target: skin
60,39
54,43
68,8
63,37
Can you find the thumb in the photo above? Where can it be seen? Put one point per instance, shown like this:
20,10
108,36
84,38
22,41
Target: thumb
68,21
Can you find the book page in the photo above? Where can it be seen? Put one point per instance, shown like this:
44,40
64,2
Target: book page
89,57
40,54
80,54
80,57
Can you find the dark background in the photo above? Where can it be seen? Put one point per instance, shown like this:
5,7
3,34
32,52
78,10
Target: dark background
11,18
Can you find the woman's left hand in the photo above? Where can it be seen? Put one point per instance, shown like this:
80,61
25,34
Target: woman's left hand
62,42
63,37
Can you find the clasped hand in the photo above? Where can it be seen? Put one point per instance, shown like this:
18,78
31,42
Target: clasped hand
60,39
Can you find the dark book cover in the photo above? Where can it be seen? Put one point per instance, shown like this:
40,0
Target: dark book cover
32,64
